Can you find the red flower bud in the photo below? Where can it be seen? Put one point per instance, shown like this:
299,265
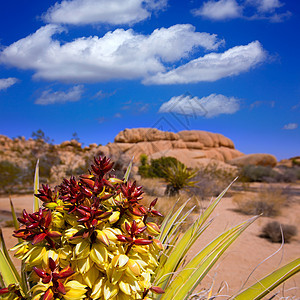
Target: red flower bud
41,273
52,264
143,242
121,238
61,288
157,289
39,238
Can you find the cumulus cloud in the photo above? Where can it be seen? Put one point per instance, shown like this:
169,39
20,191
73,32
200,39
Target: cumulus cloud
7,82
119,54
290,126
208,107
51,97
213,66
219,10
78,12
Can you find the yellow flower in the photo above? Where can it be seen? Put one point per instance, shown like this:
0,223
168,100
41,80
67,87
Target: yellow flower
74,290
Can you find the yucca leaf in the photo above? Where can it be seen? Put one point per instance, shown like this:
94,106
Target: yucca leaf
169,222
36,203
127,173
268,283
178,223
14,216
171,238
192,274
7,268
164,274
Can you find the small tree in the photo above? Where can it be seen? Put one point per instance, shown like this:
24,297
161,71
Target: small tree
40,135
75,136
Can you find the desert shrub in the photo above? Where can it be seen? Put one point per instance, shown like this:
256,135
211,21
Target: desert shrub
274,231
267,202
144,167
10,175
46,162
157,166
211,180
252,173
296,161
287,174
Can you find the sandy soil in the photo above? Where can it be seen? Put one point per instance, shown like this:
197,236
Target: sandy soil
247,255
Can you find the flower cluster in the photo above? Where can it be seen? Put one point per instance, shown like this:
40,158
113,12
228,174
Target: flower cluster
91,239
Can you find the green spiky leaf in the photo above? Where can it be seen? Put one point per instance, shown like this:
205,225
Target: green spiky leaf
270,282
36,201
127,173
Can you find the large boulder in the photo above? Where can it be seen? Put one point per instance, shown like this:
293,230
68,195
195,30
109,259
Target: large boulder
260,159
205,139
187,146
137,135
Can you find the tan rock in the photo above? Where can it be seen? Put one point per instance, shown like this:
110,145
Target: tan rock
260,159
136,135
208,139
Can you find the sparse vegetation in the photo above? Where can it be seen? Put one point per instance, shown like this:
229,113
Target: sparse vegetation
274,231
252,173
10,175
211,180
267,202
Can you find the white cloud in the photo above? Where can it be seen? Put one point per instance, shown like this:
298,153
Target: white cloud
7,82
213,66
208,107
219,10
49,97
265,6
120,54
290,126
78,12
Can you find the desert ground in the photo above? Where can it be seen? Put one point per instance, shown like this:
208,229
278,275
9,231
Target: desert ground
247,260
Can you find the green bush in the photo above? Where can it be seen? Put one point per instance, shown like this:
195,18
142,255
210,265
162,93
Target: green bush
157,167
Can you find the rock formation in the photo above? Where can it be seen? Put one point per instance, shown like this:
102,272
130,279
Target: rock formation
259,159
194,148
190,147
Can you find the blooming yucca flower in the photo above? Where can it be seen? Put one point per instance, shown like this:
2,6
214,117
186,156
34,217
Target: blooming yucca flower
90,240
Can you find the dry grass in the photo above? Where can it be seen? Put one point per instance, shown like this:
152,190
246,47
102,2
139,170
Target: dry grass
267,202
274,231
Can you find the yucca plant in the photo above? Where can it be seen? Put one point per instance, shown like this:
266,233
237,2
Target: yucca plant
93,239
178,177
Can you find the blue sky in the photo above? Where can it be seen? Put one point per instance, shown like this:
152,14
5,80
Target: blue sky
96,67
